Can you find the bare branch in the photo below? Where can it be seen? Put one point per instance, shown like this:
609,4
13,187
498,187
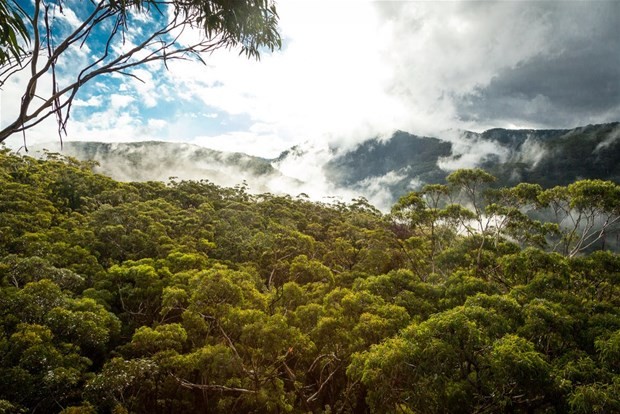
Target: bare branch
212,387
316,394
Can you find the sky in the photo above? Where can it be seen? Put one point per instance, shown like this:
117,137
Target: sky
350,70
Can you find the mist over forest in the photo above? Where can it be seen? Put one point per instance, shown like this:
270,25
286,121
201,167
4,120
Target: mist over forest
381,170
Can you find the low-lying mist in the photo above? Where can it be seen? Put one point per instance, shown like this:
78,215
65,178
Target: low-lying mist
379,169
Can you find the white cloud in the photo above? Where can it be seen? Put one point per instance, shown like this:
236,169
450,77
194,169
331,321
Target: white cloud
612,138
350,70
145,87
468,150
305,163
101,86
66,15
157,124
442,51
118,101
377,189
260,141
532,152
327,80
95,100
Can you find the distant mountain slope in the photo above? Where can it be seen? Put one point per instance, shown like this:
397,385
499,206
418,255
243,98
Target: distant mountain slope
150,159
156,160
403,153
546,157
380,170
562,156
401,163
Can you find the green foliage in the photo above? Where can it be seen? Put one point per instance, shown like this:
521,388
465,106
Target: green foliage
187,297
12,32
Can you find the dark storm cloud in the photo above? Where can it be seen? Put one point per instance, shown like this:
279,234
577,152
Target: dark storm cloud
578,84
481,64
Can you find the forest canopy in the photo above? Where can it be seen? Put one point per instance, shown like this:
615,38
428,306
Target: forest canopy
184,297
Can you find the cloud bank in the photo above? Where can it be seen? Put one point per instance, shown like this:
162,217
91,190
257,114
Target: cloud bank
353,70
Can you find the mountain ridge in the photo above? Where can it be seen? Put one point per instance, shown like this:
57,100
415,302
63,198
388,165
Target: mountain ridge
547,157
381,170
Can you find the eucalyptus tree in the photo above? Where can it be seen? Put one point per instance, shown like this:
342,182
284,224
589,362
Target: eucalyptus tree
61,45
13,33
584,211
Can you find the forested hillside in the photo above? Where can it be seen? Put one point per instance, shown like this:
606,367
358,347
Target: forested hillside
187,297
546,157
381,170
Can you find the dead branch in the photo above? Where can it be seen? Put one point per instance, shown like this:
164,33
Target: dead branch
212,387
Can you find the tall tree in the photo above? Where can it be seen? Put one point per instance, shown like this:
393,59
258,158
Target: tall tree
584,211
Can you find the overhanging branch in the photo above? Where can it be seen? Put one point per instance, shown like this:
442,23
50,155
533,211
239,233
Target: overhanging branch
161,44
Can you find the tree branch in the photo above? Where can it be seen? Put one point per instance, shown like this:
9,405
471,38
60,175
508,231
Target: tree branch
211,387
